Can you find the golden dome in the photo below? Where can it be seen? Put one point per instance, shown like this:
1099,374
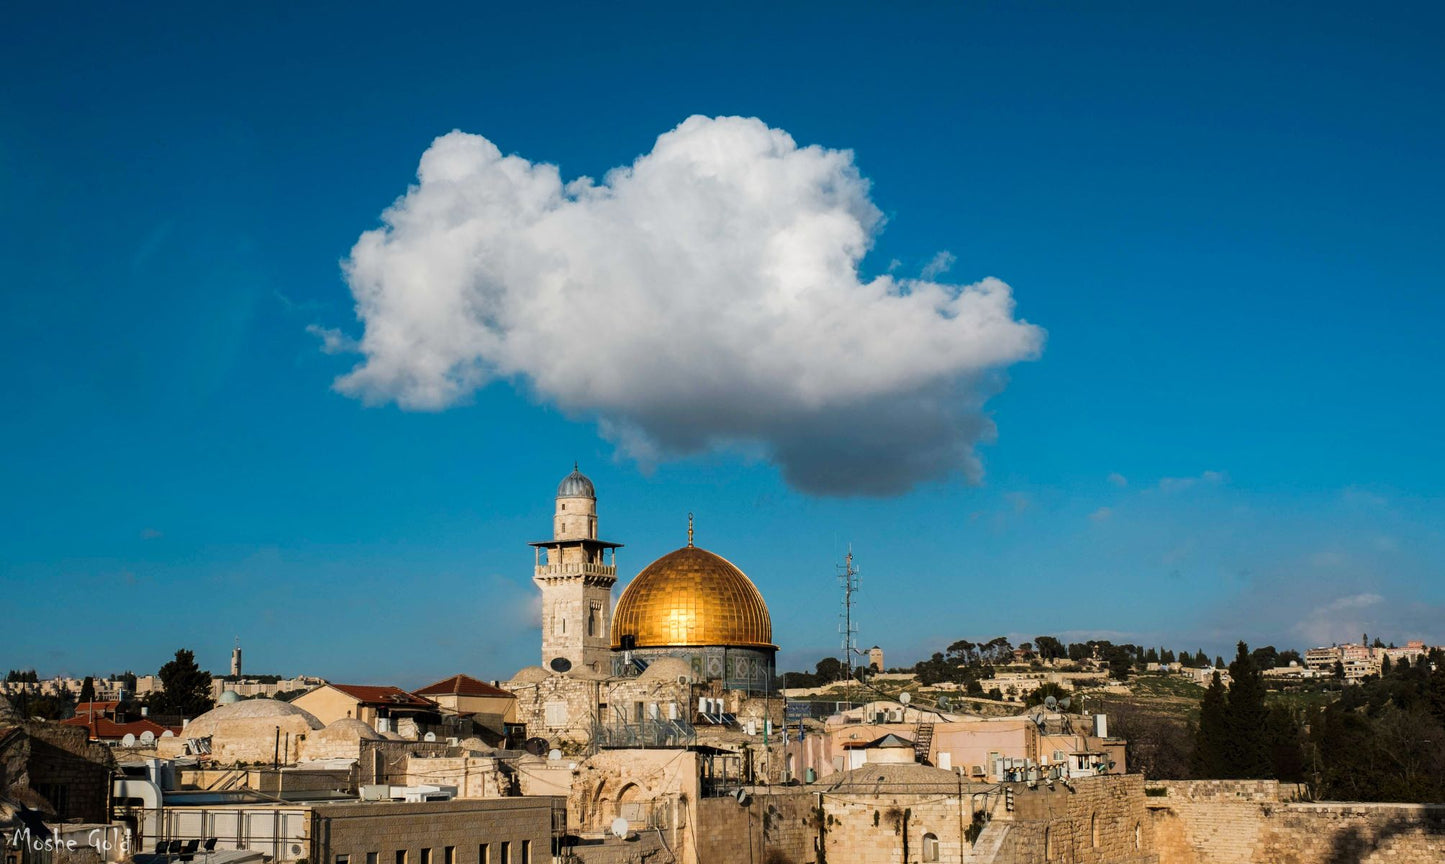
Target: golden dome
692,597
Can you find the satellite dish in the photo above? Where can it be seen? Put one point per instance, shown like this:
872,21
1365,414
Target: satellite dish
1065,702
536,746
128,740
429,737
147,737
905,698
560,664
554,754
741,796
1050,703
619,827
168,734
945,703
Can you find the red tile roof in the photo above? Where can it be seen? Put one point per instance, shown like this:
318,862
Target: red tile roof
388,696
97,707
106,730
462,685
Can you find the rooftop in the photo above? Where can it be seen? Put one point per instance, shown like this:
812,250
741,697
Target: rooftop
461,685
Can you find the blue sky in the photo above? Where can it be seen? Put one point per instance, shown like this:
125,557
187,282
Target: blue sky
1226,220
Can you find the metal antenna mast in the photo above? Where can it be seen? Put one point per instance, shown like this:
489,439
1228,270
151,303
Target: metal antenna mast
848,579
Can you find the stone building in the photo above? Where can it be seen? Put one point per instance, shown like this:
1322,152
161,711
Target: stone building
690,639
488,831
576,582
247,732
383,708
55,770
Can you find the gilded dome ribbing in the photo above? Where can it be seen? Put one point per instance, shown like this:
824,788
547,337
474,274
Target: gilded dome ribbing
692,597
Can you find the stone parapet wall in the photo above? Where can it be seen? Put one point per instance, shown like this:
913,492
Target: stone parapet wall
1246,822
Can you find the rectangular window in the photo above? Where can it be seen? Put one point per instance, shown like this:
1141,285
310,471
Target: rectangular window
373,858
343,859
401,856
426,856
484,854
449,855
555,714
526,852
506,853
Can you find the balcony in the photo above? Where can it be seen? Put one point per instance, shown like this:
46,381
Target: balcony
551,571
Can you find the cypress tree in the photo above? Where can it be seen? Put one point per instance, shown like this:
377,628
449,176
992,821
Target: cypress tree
1207,762
1247,755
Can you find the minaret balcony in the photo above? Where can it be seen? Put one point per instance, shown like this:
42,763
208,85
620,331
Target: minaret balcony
555,571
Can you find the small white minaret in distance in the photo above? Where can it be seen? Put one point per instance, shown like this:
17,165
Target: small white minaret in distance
236,659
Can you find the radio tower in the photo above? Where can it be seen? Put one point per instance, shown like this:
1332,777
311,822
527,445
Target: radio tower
848,579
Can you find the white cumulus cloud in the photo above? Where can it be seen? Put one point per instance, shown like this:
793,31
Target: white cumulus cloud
707,295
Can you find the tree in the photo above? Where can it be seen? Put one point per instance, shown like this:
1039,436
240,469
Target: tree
1201,660
1047,689
1050,648
1266,657
1120,660
185,687
87,689
829,669
1248,750
1286,750
1207,762
1157,744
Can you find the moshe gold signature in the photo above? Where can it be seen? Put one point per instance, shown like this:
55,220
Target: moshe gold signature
98,839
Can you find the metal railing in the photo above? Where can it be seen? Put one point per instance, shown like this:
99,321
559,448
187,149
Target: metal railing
646,733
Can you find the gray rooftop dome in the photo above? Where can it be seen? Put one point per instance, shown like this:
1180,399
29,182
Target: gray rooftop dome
576,485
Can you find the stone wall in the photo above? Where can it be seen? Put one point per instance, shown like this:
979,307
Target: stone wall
880,828
1253,822
1100,820
473,776
386,761
780,825
435,832
64,768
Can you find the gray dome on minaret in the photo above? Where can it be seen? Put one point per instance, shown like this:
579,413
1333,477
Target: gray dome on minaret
576,485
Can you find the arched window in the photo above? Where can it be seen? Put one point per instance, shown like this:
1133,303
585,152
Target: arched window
930,847
1138,835
1048,844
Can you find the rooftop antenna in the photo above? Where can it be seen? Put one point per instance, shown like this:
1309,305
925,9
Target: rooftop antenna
848,579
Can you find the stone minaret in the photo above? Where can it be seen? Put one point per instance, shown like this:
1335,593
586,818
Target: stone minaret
576,582
236,660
